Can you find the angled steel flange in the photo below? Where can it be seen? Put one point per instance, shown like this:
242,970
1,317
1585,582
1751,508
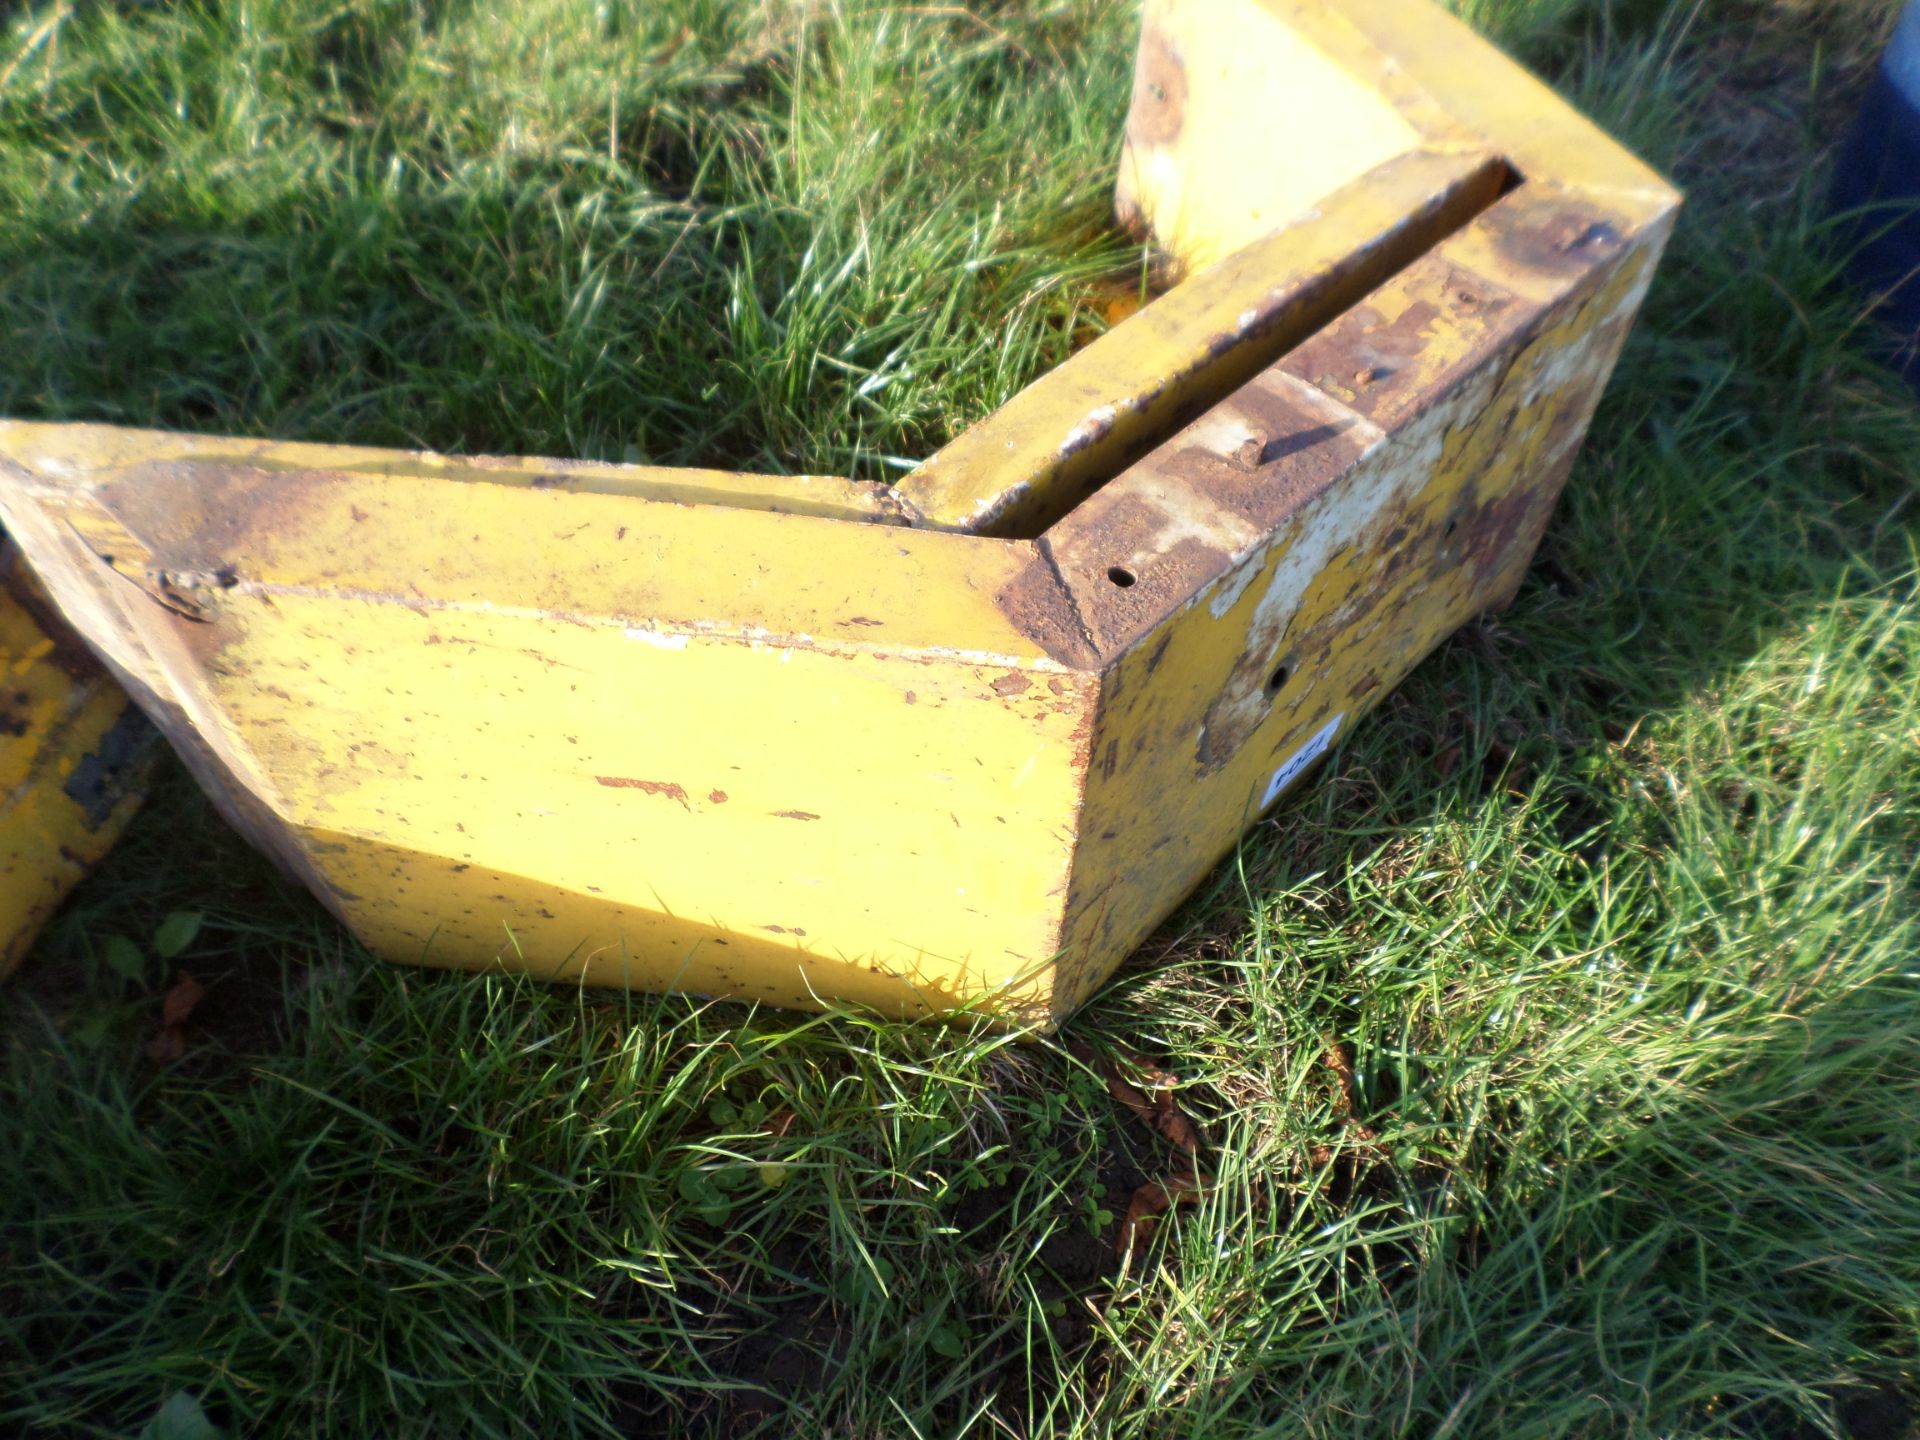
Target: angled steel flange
963,741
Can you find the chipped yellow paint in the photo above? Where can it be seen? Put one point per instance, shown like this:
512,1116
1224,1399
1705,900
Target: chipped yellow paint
493,722
960,742
1212,101
1449,81
72,762
1060,438
1300,590
89,449
1244,112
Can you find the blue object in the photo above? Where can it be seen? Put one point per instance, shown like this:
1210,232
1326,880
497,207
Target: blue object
1878,176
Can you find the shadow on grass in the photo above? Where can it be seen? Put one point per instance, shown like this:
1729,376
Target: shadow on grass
1743,478
407,315
1673,564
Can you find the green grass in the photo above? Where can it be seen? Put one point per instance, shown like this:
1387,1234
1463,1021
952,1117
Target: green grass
1615,903
690,231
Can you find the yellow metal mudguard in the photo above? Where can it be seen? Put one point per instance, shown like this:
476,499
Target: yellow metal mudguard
962,741
74,755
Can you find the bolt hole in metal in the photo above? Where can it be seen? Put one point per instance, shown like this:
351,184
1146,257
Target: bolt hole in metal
1452,525
1121,576
1277,679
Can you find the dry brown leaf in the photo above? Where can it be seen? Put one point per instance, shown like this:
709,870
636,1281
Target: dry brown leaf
1154,1107
1172,1122
1124,1091
1114,302
1150,1202
1335,1058
166,1047
1340,1061
186,993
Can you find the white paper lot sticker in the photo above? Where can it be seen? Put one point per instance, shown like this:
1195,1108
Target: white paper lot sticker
1301,759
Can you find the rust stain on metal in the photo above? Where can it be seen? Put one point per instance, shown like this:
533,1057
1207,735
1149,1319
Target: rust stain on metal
1156,117
1202,352
1041,605
1551,236
890,506
664,788
1159,90
1218,533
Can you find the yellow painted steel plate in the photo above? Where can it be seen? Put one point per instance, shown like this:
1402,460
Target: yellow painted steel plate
959,742
74,754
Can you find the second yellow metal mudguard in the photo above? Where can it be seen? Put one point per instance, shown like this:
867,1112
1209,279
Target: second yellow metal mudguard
963,741
74,757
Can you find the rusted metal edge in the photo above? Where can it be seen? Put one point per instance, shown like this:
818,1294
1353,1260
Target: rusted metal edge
1019,470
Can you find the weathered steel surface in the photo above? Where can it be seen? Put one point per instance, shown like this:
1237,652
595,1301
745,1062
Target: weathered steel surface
1055,443
74,755
1249,113
963,742
1295,552
642,741
1244,123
